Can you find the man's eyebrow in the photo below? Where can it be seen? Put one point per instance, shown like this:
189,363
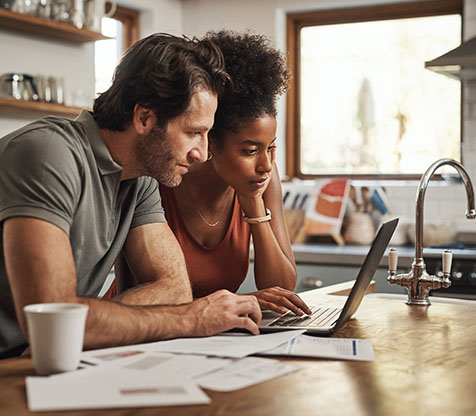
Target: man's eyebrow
254,143
199,128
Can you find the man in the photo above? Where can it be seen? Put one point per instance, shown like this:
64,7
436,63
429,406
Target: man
75,194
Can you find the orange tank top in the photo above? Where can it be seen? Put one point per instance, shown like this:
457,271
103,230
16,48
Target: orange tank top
210,269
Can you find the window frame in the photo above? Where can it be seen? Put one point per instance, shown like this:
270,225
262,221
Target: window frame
296,21
130,20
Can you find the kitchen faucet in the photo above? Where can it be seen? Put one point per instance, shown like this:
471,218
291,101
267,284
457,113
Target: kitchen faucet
417,281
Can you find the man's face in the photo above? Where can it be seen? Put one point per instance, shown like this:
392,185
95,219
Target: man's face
167,153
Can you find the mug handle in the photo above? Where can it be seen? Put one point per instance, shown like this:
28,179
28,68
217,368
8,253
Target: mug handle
113,9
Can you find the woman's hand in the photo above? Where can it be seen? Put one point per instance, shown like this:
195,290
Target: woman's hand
252,201
280,300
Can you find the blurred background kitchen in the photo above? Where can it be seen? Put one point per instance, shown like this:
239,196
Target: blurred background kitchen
369,105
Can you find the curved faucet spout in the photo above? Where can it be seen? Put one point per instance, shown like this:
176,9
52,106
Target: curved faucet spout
417,281
425,179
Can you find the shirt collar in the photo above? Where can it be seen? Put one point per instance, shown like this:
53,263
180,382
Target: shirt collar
106,164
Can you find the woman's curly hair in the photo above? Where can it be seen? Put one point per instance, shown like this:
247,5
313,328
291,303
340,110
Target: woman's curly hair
259,74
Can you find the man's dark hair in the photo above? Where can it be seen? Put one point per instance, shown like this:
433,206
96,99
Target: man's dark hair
259,74
160,72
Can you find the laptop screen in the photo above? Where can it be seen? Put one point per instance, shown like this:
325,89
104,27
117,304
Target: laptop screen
368,269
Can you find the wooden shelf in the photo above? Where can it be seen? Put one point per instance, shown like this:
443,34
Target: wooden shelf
24,108
25,23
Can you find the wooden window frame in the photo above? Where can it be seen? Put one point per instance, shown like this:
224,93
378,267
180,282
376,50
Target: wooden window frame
130,20
296,21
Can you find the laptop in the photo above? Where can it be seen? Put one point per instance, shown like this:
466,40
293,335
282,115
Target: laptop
325,320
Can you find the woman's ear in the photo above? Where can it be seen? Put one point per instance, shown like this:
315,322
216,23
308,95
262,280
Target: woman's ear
143,119
212,148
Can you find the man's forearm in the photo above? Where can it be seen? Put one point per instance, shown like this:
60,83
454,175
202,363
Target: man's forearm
161,292
133,324
110,323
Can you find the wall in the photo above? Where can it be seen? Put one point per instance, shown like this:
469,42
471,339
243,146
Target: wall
443,203
158,15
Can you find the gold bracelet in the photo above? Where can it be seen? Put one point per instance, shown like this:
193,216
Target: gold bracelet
258,220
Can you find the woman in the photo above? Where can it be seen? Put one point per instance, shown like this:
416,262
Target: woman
236,194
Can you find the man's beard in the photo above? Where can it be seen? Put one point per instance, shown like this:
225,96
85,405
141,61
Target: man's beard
155,153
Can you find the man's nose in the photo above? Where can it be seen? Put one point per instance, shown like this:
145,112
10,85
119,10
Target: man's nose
199,152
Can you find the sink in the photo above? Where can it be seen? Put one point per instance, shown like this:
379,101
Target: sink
433,299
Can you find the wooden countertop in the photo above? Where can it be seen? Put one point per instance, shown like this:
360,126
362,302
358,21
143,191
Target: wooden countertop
425,364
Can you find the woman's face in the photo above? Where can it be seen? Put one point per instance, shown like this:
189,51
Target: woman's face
245,160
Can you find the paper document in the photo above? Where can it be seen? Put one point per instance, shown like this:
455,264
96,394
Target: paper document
111,355
230,345
90,389
243,373
158,363
234,345
337,348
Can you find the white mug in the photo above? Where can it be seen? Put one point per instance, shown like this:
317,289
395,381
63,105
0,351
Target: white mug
56,333
95,10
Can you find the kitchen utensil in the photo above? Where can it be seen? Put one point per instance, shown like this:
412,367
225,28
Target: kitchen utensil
285,197
95,10
294,216
300,235
77,13
367,204
359,229
22,6
435,233
43,9
60,11
60,90
378,202
354,198
19,86
289,215
7,4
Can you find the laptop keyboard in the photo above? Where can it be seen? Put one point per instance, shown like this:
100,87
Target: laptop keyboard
320,317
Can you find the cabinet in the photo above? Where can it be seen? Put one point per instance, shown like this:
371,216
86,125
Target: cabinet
37,26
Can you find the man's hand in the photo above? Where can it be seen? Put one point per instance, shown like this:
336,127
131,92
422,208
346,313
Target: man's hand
224,310
279,300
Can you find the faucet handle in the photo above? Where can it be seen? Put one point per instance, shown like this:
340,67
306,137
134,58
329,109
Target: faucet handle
392,260
447,260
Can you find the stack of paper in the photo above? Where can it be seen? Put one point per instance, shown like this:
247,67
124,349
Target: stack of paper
155,375
169,373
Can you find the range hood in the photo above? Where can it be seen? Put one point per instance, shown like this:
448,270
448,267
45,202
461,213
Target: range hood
460,63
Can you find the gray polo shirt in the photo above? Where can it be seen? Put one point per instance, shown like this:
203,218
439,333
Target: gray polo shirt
61,171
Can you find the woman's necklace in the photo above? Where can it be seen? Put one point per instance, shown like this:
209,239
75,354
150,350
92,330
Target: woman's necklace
213,224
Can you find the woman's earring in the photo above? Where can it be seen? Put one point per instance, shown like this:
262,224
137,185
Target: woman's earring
209,155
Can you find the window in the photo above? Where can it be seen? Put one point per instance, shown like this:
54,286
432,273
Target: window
123,29
361,102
